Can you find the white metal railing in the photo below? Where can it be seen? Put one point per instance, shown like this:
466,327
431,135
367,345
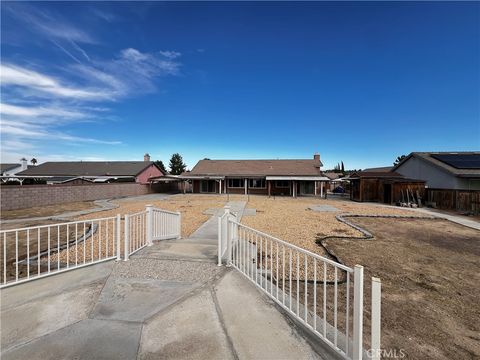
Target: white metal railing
165,224
33,252
136,233
143,227
324,295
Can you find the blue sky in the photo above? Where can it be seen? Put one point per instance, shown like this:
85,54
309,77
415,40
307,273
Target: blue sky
359,82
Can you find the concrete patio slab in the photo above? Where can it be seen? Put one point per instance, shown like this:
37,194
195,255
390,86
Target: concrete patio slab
270,336
87,339
17,295
190,330
131,299
47,314
323,208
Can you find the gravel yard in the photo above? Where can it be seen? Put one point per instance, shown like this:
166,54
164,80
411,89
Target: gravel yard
292,220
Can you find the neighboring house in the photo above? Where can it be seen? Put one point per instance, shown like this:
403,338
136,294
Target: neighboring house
384,187
268,177
443,170
12,169
78,172
452,178
380,169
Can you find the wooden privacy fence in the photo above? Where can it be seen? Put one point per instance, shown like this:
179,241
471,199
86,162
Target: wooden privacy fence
458,200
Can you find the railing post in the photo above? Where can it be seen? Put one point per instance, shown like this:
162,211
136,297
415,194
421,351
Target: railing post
125,256
179,225
228,234
219,241
358,312
118,237
149,209
376,318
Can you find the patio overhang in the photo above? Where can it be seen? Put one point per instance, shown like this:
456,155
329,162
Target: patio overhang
299,178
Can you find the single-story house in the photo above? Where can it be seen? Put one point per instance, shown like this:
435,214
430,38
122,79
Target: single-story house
79,172
384,187
267,177
452,178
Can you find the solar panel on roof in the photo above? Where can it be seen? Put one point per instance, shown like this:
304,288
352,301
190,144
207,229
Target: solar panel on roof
460,161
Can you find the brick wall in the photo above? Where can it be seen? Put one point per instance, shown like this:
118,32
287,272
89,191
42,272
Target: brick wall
18,197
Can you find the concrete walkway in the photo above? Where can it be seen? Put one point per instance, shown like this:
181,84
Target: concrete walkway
169,301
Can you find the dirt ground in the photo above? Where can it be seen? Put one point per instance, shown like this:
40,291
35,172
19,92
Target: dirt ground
49,210
430,278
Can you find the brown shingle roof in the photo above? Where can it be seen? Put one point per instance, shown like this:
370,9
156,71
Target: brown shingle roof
6,167
256,168
88,168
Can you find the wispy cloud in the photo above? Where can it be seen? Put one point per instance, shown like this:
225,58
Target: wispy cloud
40,84
170,54
47,23
41,102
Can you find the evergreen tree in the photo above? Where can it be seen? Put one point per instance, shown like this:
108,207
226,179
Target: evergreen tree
34,161
160,164
177,166
399,160
343,167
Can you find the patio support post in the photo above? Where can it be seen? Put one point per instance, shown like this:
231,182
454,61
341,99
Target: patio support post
269,185
245,182
315,186
321,189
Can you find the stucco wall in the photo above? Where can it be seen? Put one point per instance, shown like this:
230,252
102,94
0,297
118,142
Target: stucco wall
150,171
19,197
436,178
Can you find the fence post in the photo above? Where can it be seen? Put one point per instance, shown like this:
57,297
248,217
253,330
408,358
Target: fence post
358,312
219,263
376,317
119,219
228,234
125,256
149,209
179,225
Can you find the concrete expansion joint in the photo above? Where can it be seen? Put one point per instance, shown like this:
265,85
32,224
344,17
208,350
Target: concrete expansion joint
197,290
218,309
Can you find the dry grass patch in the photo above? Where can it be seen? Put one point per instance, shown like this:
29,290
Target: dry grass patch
49,210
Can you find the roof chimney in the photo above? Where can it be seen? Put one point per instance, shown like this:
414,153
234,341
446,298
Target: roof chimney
24,164
146,157
316,156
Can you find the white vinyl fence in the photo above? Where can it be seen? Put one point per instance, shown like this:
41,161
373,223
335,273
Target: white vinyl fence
34,252
37,251
325,296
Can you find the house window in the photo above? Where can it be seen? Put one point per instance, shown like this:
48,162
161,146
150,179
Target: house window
235,183
256,183
282,184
